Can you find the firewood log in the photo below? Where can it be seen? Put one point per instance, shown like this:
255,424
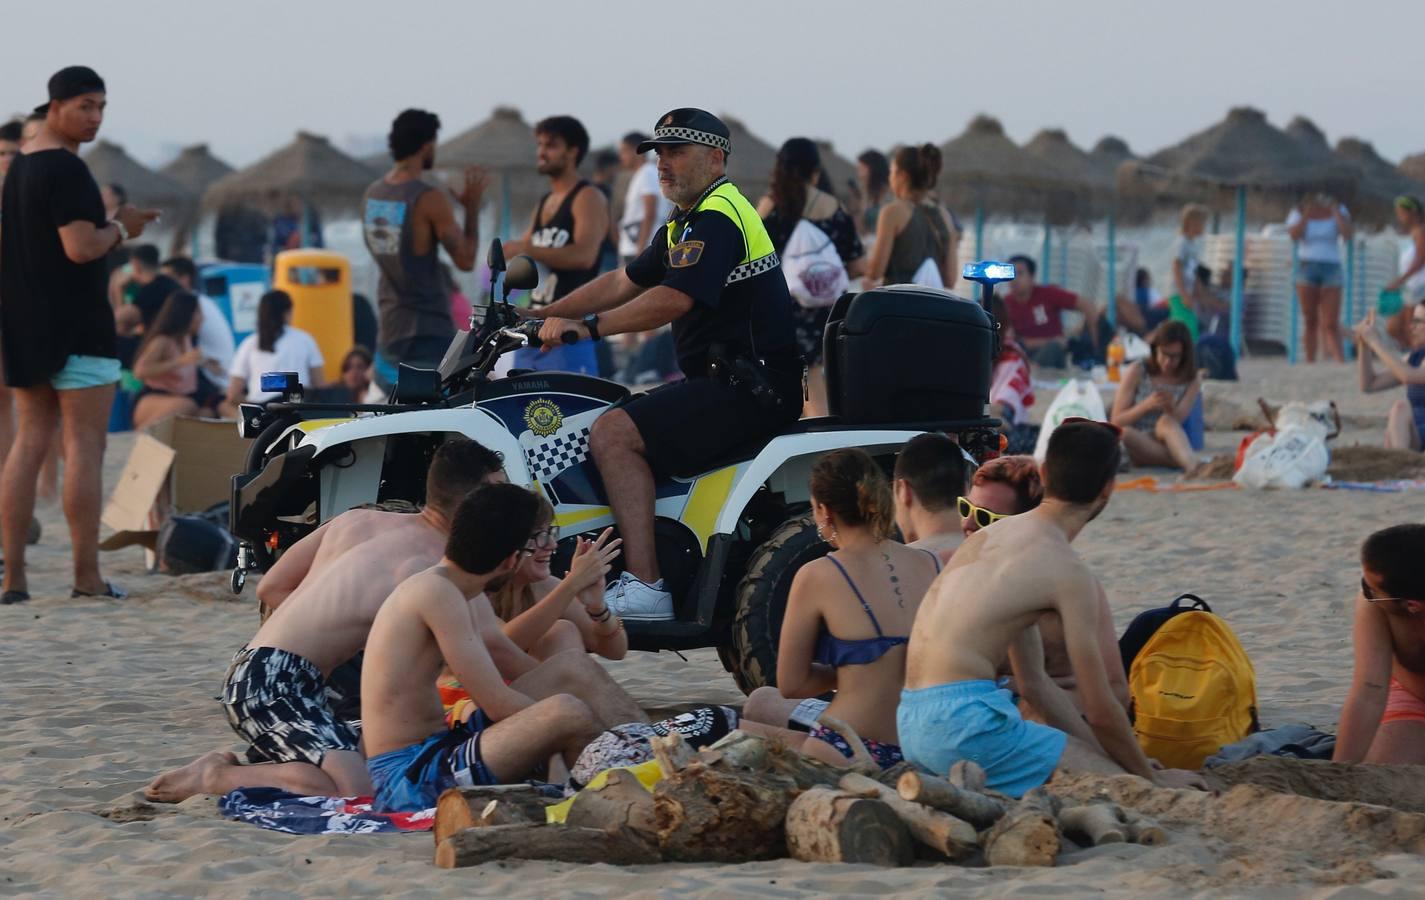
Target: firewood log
1094,824
721,813
620,803
975,808
825,825
967,775
474,846
1027,835
942,832
459,808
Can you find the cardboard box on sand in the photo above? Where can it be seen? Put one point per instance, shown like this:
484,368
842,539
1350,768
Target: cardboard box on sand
178,466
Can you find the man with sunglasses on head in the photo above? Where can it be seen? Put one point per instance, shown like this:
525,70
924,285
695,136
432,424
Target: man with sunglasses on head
1383,720
985,608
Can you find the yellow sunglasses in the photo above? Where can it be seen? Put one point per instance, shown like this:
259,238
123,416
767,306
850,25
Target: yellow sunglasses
983,517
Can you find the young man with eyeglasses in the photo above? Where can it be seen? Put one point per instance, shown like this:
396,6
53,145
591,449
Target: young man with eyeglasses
986,606
1383,720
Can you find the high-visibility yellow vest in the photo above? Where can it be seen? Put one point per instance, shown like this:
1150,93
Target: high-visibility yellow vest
758,254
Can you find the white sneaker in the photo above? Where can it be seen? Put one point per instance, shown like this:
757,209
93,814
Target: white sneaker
636,601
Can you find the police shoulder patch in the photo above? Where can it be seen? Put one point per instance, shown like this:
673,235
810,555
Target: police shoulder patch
685,254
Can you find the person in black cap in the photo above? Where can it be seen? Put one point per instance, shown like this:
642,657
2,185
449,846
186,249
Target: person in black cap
57,326
712,273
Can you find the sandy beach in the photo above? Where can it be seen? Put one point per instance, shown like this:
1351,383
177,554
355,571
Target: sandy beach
95,698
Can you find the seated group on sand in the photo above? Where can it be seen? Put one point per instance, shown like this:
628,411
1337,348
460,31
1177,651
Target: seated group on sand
984,637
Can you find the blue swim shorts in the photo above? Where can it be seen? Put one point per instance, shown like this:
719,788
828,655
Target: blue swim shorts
978,721
86,372
411,778
1319,274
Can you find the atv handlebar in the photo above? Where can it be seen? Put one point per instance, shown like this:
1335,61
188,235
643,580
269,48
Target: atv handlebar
528,333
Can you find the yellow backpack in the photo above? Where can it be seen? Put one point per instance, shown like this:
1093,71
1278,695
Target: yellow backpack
1194,690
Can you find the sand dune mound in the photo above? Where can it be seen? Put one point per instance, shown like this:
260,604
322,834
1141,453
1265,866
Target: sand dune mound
1398,787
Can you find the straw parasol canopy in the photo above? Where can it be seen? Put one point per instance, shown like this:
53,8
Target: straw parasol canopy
1305,130
982,167
504,146
1109,153
750,164
109,164
1243,150
309,169
196,168
1413,167
839,170
1053,146
1381,182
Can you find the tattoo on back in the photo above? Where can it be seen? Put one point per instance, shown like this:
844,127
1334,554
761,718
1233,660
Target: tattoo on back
895,580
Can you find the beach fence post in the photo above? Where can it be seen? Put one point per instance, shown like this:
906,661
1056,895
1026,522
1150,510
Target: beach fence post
1240,250
1112,273
1295,332
979,231
1064,259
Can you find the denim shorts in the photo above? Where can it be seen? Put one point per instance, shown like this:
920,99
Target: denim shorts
1319,274
81,372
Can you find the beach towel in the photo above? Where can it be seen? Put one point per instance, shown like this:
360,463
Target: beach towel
1297,741
1379,487
277,810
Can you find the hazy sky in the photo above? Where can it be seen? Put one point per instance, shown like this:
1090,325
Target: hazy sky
243,75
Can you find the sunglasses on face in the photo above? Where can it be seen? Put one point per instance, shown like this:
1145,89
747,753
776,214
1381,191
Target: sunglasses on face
545,539
1371,596
981,516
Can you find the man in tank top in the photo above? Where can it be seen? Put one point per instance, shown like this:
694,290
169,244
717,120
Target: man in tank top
565,235
406,221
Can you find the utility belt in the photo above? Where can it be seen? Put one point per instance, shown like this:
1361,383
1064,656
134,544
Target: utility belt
756,377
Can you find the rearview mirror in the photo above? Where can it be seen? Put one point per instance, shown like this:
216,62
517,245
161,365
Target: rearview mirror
521,274
496,258
988,271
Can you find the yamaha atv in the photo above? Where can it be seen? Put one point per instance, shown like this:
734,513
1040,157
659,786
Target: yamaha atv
899,361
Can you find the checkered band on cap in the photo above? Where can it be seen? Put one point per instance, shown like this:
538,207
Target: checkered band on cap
697,137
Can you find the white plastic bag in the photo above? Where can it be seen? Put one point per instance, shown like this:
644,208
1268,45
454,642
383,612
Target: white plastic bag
1292,458
1134,347
1079,397
815,274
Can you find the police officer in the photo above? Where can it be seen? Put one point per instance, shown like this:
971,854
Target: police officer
712,272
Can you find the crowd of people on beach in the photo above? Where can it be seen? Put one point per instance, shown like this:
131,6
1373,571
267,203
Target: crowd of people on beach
404,653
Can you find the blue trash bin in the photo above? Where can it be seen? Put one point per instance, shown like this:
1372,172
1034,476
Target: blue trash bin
236,288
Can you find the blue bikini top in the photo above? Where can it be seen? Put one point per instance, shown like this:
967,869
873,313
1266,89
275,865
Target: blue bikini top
836,652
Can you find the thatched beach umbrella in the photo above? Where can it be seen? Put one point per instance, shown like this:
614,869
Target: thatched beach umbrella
984,170
750,164
1305,130
504,146
1413,167
1109,153
1094,188
1381,182
1243,150
109,164
196,169
309,169
839,170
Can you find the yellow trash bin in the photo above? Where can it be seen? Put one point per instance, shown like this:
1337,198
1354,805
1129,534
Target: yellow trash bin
319,283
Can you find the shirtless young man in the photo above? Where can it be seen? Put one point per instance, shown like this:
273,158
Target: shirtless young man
986,606
931,476
429,623
326,590
1384,717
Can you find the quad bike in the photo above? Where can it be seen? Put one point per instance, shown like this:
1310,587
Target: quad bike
900,361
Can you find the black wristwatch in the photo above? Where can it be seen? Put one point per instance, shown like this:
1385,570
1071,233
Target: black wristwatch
591,322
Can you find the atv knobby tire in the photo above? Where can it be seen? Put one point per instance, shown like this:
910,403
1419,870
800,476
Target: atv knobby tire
762,601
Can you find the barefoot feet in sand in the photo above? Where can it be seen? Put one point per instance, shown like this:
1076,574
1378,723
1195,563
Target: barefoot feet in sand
177,785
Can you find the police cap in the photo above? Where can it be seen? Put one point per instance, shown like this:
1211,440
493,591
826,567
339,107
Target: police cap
689,126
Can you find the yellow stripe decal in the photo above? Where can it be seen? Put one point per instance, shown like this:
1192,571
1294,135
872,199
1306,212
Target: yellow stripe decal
310,425
570,519
706,501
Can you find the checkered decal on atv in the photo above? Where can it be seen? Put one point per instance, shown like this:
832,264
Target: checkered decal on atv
552,455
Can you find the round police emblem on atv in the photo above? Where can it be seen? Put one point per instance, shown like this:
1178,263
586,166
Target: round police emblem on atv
543,417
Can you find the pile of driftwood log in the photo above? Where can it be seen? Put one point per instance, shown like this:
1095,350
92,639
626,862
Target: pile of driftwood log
747,798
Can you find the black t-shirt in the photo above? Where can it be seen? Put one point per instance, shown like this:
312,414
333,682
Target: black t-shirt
151,297
752,316
50,308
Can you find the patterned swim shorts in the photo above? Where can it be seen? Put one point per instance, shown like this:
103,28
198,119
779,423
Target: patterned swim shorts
277,702
885,755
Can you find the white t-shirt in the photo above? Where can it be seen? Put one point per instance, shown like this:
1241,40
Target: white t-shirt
643,183
215,339
295,351
1319,243
1414,290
